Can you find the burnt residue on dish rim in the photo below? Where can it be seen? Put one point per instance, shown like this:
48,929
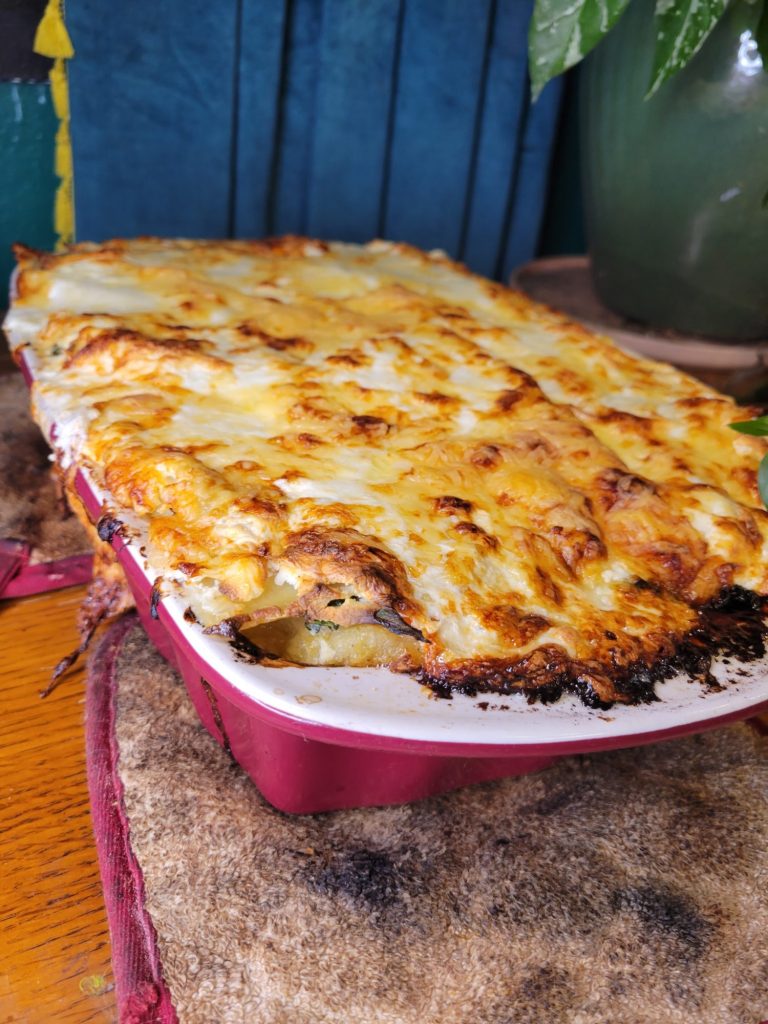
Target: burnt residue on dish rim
108,526
732,625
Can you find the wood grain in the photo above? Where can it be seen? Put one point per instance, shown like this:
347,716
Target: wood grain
54,943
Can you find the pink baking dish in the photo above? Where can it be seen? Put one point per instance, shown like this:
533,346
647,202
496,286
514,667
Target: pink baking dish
317,739
332,753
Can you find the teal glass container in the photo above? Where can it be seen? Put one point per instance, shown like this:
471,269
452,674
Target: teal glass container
27,179
676,186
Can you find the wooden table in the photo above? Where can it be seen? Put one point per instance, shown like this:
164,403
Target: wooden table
54,943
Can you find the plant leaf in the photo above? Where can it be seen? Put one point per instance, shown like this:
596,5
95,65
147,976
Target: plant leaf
757,427
564,31
762,479
389,618
681,28
761,35
314,626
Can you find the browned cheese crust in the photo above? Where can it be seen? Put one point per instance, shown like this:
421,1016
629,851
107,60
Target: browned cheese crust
399,462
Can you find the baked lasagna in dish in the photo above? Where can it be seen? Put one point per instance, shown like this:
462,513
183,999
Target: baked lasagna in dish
365,455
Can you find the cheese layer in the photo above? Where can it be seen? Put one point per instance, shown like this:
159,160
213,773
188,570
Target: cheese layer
344,434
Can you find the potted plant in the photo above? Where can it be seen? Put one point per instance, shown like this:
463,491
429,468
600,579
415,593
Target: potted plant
674,122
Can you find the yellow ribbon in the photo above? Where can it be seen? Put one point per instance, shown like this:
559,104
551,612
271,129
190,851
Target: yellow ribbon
52,40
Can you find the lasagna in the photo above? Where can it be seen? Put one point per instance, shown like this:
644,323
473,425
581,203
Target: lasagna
366,455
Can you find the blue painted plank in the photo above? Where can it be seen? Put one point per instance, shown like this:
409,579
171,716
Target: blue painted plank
183,126
499,137
289,190
441,71
263,24
356,65
151,90
532,179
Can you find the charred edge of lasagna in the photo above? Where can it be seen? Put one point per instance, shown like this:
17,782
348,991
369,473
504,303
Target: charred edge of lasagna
242,648
732,625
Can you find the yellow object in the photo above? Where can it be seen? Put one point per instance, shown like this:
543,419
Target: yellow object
59,90
93,985
52,40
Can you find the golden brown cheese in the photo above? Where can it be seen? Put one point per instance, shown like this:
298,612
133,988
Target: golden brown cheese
369,438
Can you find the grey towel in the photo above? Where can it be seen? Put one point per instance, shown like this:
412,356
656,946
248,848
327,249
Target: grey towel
621,888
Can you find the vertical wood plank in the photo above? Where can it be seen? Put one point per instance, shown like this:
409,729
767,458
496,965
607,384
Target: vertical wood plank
262,38
499,136
441,70
532,179
289,189
356,63
159,89
151,90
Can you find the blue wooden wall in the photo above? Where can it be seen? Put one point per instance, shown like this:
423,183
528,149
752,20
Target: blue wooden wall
405,119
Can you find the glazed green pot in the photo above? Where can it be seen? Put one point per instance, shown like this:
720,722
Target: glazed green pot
676,187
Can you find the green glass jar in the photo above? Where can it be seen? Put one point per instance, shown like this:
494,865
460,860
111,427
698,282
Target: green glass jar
676,187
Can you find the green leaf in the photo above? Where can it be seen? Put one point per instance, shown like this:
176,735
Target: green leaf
564,31
761,37
389,618
757,427
762,479
681,28
314,626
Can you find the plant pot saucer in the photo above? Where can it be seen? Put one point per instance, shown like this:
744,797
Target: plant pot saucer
565,282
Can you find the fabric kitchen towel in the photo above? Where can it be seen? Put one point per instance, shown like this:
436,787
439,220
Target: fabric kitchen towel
49,546
621,888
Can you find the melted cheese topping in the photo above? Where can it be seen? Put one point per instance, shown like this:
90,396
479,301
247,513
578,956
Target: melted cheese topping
324,432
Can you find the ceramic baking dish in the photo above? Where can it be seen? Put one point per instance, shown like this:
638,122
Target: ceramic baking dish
315,739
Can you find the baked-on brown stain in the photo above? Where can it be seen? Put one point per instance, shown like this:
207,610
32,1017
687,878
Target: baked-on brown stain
154,597
218,720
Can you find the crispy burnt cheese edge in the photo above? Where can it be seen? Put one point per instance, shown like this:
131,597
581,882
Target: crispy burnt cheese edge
368,456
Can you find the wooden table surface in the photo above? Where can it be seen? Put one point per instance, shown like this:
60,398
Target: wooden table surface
54,943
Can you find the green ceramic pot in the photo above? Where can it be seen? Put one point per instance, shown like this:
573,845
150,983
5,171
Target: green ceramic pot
676,187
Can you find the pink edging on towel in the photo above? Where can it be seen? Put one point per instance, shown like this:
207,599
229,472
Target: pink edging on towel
14,555
20,579
45,576
142,995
